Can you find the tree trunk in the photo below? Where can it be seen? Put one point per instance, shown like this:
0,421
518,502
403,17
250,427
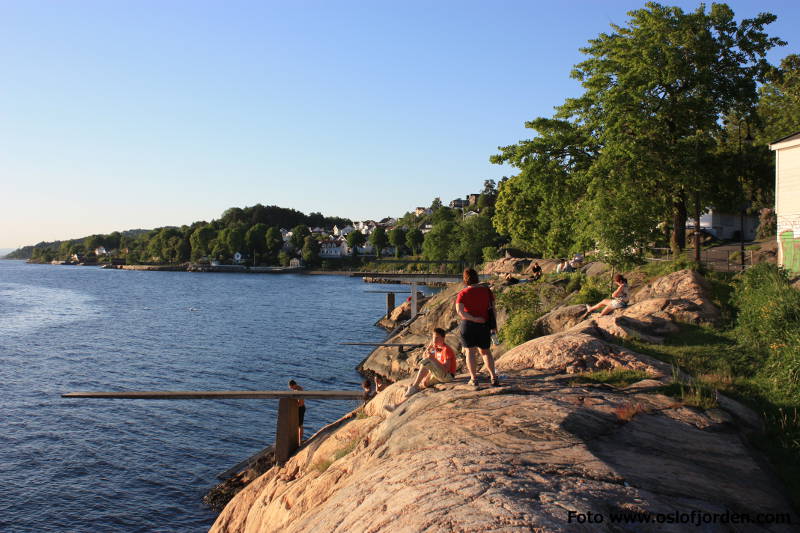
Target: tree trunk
697,227
678,238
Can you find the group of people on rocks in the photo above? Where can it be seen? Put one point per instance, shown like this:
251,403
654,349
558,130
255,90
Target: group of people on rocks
477,330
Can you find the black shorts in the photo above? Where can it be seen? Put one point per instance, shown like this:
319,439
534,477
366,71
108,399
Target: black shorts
474,335
301,414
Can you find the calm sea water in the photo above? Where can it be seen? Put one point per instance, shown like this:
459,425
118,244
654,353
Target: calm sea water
139,465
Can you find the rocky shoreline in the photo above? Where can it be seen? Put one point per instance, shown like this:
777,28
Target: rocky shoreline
541,451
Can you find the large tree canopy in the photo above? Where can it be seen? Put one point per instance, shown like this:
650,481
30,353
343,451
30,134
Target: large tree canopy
639,147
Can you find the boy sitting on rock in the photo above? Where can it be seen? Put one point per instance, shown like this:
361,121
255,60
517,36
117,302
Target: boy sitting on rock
438,367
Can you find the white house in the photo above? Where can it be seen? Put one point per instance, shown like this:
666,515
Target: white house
100,250
727,225
366,226
343,232
787,200
333,248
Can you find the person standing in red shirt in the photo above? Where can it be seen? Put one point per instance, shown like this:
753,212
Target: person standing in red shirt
438,367
475,307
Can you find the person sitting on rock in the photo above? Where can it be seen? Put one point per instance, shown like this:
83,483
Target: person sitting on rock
438,367
380,384
618,300
536,271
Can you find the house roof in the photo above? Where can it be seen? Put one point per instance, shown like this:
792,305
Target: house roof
789,138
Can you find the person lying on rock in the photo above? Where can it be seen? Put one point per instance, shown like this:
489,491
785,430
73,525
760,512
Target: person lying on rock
475,307
438,367
618,300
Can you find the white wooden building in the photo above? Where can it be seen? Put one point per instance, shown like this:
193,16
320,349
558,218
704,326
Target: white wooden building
787,200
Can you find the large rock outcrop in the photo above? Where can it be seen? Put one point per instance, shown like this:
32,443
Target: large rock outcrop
538,452
654,312
528,455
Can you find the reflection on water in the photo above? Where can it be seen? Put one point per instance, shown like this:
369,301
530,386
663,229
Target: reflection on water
25,308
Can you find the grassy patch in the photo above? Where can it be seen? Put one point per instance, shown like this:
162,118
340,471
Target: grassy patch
346,449
323,464
617,377
693,394
722,362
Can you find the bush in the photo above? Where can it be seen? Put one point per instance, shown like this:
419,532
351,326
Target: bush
768,321
592,291
519,328
490,253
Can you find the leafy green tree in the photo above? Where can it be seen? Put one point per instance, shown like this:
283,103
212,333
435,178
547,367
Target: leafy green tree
397,238
378,239
655,94
93,242
355,239
440,240
273,242
414,239
299,234
310,251
256,238
199,241
436,204
540,208
476,233
779,105
650,118
234,238
443,214
284,258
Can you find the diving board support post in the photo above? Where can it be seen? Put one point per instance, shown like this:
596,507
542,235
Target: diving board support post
389,304
413,300
287,437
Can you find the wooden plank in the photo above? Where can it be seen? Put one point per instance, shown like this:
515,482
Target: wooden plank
395,344
221,395
287,439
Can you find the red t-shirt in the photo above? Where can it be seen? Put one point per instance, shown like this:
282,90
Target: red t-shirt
447,358
477,300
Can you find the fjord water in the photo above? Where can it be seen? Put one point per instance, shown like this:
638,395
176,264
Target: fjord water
142,465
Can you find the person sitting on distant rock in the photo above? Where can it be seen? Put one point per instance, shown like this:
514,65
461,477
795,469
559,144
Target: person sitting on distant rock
577,260
380,384
618,300
475,307
301,410
536,271
438,367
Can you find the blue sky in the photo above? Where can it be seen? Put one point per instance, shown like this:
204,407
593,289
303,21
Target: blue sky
128,114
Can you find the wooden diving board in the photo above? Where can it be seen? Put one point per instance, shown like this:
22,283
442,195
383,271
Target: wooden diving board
222,395
287,438
395,344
